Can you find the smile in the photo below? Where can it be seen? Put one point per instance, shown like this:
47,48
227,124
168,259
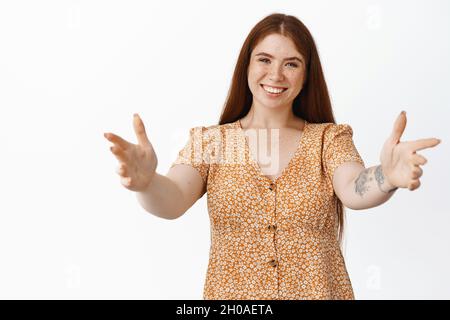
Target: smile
273,90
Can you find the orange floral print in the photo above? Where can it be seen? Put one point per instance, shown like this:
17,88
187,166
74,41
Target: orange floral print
272,239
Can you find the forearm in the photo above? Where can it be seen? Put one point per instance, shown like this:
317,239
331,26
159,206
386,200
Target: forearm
369,189
160,197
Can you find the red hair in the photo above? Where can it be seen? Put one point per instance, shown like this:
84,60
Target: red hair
313,102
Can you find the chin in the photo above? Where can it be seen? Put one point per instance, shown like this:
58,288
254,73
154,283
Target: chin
273,105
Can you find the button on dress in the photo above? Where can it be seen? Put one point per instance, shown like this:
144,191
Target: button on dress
272,239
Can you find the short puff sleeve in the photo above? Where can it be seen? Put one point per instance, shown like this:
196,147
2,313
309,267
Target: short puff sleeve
193,152
339,148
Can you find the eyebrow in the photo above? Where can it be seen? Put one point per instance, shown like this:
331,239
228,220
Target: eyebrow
270,56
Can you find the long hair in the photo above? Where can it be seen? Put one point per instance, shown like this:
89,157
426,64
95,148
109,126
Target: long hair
312,103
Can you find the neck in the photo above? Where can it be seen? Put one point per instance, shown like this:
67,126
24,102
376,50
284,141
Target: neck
260,117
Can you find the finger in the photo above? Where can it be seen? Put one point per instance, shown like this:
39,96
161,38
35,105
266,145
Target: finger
416,172
424,143
119,153
418,159
122,170
140,131
117,140
399,127
139,128
414,184
125,181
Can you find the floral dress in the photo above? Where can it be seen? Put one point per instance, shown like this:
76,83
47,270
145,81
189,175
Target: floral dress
272,239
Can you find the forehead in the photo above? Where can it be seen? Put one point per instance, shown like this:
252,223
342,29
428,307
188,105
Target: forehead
277,45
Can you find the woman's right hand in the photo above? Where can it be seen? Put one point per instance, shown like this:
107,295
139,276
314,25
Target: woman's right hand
137,162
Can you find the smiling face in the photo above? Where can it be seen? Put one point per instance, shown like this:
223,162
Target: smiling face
276,72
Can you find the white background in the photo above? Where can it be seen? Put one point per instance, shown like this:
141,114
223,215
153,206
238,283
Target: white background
72,70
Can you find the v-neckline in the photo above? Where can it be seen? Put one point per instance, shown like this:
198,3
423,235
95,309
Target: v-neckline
255,164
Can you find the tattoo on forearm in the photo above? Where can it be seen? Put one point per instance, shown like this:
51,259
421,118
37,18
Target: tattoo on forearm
362,183
379,176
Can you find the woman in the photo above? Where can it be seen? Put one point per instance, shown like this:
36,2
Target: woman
275,231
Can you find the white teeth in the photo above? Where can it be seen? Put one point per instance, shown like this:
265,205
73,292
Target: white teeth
272,90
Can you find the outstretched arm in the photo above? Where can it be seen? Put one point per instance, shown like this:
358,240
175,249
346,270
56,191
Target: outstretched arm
362,188
367,188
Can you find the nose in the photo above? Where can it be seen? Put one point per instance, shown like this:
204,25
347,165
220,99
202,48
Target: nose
275,73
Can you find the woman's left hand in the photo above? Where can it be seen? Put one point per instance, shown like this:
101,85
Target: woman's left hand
399,160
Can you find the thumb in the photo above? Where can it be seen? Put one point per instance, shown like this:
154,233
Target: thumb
399,127
140,130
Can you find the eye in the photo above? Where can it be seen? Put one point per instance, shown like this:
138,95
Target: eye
264,60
